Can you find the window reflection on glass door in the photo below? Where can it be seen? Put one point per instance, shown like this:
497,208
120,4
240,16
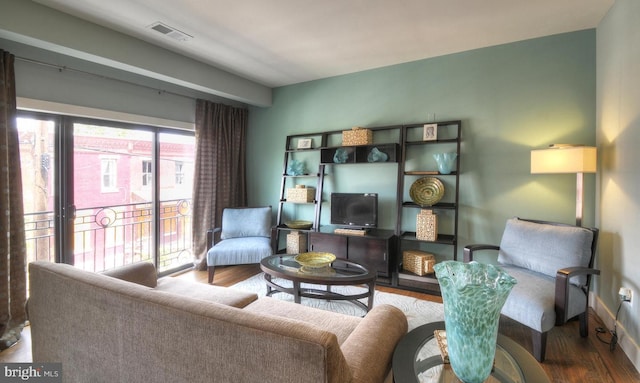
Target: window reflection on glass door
175,173
37,162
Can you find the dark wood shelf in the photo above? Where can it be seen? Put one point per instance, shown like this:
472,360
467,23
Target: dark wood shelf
434,142
445,239
410,281
285,227
438,206
302,150
299,203
428,173
359,154
427,278
302,175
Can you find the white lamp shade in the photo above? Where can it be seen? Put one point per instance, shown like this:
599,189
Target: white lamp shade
564,159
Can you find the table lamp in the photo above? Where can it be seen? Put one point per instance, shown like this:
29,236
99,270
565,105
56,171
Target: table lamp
566,158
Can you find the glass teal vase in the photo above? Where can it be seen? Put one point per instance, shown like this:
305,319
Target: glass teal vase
473,295
445,161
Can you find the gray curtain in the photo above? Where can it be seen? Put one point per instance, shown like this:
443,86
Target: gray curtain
13,283
220,168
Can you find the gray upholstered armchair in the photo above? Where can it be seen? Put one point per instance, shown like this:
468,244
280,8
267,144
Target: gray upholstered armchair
553,264
245,237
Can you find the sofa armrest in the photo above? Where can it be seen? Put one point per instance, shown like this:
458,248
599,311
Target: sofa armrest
469,249
563,277
142,273
369,348
211,237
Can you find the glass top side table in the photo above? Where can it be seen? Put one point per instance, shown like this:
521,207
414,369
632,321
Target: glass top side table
417,359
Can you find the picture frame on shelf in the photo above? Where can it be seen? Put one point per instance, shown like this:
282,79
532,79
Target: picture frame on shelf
430,132
305,143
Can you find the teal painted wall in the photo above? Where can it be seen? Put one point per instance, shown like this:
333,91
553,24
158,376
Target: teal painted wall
511,98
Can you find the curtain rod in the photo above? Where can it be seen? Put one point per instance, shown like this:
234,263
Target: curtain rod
66,68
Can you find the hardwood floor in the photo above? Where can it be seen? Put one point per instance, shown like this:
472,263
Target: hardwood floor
570,358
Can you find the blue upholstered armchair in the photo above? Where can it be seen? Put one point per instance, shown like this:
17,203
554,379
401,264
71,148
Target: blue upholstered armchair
245,237
553,264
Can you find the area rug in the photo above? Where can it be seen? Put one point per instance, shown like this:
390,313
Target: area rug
418,311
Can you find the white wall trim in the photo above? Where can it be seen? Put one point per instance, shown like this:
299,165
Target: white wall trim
82,111
625,342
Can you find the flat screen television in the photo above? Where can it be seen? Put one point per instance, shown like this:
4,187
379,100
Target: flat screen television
354,210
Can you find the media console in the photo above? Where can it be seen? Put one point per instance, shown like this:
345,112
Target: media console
375,249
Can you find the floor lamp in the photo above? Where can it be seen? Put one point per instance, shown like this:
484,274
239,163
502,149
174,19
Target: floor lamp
563,158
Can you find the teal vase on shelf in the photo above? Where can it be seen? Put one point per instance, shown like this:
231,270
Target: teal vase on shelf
473,295
296,168
445,161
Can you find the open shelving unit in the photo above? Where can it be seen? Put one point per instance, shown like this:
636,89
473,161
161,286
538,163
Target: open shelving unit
417,161
288,210
404,145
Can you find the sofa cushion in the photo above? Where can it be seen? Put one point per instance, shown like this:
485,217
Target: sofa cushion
239,251
246,222
206,292
142,273
545,248
340,324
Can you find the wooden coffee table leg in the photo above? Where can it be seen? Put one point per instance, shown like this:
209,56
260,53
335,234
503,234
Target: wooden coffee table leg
296,292
267,278
372,289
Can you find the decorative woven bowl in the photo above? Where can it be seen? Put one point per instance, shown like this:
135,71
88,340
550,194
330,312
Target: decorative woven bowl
315,259
427,191
299,224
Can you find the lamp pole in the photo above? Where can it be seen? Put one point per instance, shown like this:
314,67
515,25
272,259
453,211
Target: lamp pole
579,197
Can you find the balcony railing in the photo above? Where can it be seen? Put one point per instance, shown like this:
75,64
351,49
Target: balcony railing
107,237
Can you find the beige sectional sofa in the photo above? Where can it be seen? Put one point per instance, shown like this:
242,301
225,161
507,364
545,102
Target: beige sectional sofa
129,326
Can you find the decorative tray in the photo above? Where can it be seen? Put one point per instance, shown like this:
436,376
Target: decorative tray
315,259
427,191
298,224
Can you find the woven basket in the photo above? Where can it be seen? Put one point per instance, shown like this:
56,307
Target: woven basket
357,136
301,193
426,226
296,243
418,262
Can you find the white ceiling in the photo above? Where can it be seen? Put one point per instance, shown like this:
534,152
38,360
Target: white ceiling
281,42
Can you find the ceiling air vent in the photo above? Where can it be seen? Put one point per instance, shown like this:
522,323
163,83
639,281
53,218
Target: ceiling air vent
170,31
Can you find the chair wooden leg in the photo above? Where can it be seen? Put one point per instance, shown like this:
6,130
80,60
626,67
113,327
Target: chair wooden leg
584,324
211,270
539,345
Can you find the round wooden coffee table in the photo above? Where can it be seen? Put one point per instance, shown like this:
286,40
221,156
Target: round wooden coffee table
417,358
341,273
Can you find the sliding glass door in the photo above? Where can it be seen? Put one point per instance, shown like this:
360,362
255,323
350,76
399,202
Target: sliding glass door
121,193
113,196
